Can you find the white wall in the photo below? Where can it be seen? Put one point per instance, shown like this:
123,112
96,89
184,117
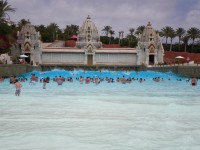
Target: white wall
115,59
63,58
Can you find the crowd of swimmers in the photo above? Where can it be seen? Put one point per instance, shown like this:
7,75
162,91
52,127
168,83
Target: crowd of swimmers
96,80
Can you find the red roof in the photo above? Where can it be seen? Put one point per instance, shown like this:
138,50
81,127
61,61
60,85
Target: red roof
113,46
169,57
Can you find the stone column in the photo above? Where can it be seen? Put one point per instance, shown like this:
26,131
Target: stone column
85,62
147,57
138,57
156,58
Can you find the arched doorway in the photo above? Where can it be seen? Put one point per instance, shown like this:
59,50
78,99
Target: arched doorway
151,59
151,54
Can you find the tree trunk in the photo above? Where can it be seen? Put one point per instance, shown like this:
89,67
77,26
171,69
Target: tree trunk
170,49
185,48
171,46
119,37
192,44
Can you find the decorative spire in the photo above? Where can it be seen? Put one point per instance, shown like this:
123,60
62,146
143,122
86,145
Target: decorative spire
149,23
28,22
88,17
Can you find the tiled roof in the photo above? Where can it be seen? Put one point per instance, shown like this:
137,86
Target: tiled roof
113,46
43,45
169,57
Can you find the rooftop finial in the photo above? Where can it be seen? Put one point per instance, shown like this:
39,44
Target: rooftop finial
88,17
149,23
28,21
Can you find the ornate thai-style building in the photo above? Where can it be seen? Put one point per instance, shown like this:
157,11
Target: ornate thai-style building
28,41
88,49
150,49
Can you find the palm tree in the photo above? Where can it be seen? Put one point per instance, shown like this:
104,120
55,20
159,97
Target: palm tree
107,29
140,29
120,32
4,8
111,34
166,32
43,32
193,33
171,35
131,30
70,30
5,34
180,32
122,35
54,29
185,40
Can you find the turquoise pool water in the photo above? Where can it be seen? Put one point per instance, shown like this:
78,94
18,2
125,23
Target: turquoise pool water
110,116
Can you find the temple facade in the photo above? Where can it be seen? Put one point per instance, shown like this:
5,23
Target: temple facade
29,43
88,49
150,49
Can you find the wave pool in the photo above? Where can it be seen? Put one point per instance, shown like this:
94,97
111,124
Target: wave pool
109,116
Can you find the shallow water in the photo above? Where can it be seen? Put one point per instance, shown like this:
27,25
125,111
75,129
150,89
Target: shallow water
108,116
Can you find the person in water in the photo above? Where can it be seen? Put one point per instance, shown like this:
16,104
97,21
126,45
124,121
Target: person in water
1,79
81,79
44,83
18,87
194,81
59,80
34,78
